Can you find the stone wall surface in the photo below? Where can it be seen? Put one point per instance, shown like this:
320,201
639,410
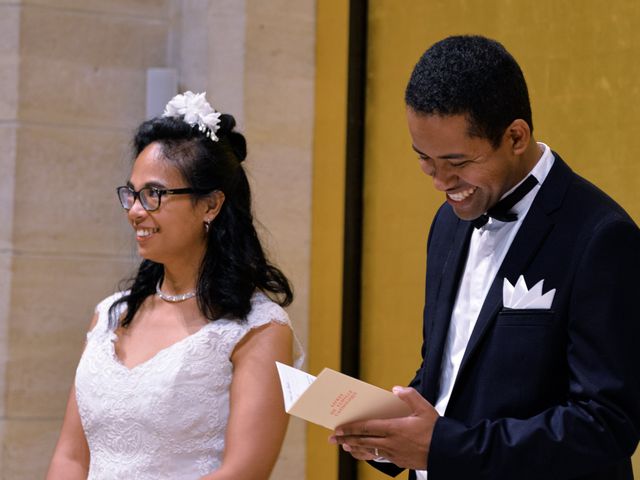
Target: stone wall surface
278,116
72,90
73,79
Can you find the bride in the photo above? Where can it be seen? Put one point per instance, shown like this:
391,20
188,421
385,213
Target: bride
178,377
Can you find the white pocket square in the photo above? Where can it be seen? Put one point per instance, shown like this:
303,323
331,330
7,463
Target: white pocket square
519,297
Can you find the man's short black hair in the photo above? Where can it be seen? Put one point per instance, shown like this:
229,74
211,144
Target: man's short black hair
474,76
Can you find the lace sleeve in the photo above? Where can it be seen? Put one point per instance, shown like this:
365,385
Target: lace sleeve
102,310
264,311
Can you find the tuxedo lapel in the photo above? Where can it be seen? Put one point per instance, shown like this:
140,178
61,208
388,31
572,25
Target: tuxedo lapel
534,229
448,277
532,233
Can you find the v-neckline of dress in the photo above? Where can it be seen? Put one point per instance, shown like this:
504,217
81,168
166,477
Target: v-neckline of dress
113,338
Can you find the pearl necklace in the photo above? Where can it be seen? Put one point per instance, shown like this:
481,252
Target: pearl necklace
173,298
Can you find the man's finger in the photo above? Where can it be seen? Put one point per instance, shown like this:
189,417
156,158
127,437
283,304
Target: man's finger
359,453
370,428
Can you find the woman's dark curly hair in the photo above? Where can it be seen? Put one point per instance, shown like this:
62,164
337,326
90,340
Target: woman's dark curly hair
234,264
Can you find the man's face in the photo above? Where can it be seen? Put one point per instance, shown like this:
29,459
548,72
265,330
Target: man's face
471,173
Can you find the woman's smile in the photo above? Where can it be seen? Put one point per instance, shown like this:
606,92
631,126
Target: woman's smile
144,233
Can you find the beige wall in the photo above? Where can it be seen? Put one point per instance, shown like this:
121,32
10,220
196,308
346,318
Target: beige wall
72,89
278,106
76,75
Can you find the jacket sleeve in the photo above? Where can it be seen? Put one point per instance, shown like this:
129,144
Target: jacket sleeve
598,425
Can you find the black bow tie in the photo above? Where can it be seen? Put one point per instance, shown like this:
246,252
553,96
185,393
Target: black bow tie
501,210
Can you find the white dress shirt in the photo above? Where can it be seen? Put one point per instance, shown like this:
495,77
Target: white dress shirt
488,247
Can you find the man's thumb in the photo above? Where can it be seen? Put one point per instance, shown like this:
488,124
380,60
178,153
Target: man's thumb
411,397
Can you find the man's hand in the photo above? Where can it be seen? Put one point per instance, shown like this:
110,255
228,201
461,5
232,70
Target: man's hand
404,441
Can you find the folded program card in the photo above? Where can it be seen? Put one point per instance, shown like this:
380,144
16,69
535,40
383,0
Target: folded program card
519,297
333,398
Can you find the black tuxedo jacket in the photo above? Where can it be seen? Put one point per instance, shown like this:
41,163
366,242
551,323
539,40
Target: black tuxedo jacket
541,394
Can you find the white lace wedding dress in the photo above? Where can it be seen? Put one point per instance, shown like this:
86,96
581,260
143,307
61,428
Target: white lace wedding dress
165,418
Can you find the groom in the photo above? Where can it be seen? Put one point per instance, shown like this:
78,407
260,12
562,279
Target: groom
531,335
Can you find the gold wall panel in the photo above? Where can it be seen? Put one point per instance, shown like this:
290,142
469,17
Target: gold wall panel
580,62
327,226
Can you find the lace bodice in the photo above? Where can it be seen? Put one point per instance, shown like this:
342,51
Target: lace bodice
165,418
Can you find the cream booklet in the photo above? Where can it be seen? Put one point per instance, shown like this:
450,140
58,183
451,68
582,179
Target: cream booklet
333,398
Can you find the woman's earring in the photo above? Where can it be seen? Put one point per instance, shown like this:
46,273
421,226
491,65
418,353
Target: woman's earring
207,225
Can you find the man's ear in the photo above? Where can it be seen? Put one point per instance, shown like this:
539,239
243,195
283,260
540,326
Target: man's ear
518,136
214,203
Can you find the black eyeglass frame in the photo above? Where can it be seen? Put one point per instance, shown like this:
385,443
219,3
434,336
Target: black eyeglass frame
158,191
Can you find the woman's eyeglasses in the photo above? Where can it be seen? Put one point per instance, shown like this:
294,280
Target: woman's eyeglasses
149,197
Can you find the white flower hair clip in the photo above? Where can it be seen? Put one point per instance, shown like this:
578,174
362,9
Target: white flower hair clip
196,111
